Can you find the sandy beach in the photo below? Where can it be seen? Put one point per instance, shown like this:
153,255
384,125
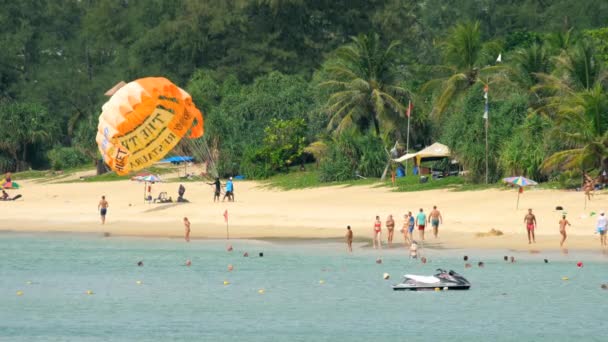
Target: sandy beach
260,212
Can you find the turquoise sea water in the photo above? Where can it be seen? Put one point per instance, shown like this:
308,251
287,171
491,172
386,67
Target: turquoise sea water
526,301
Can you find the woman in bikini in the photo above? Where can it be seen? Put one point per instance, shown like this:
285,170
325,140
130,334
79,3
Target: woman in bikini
377,233
408,228
390,226
562,229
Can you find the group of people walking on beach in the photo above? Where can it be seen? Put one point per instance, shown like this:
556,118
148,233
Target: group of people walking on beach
410,222
434,219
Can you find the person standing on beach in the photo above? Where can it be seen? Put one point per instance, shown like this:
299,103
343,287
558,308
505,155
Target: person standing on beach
349,239
103,209
377,233
229,191
562,229
530,221
601,228
434,219
390,226
187,229
408,227
218,189
421,222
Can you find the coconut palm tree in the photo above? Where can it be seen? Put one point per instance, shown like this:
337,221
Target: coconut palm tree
466,60
582,125
363,86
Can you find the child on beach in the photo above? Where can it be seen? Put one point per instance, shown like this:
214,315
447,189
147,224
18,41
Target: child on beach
414,250
349,239
562,229
187,229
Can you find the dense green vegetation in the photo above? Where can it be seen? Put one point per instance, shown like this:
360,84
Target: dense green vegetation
285,82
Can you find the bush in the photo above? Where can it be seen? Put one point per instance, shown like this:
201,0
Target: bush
350,154
67,157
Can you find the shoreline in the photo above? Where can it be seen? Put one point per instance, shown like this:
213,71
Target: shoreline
511,243
317,214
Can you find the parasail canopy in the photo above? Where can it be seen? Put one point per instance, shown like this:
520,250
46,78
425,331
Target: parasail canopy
143,121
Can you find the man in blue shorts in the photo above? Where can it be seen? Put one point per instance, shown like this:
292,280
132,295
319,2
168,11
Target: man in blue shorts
103,209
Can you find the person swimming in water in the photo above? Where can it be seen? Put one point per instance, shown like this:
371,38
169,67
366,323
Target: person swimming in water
414,250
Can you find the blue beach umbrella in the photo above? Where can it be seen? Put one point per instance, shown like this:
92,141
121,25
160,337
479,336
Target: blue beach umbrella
520,182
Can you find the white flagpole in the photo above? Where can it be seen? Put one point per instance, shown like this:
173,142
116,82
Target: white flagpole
487,120
407,144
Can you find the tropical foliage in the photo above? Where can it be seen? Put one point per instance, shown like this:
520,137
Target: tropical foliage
285,82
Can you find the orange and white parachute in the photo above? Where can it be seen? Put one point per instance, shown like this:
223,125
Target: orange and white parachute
143,121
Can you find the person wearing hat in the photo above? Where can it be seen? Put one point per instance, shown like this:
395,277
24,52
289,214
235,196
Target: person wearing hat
229,191
601,228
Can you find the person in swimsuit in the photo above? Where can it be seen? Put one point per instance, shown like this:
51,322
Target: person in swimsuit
5,195
421,221
434,219
377,233
349,239
562,229
187,229
530,221
390,226
406,229
414,250
103,209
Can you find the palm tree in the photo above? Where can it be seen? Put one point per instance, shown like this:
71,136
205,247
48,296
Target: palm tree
465,57
582,125
363,86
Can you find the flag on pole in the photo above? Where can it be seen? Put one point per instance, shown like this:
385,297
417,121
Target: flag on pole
486,88
410,108
226,215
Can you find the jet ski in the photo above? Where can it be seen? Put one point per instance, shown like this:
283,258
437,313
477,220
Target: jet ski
443,280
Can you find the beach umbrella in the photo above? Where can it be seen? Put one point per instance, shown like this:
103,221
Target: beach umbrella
147,178
520,182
